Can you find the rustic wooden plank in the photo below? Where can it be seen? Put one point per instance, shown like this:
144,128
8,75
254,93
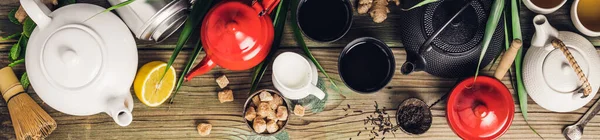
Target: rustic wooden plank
197,102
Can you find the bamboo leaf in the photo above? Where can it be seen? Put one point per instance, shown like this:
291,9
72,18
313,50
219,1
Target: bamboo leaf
279,18
490,28
125,3
12,18
28,26
62,3
194,18
187,68
25,81
15,63
424,2
15,51
11,37
301,43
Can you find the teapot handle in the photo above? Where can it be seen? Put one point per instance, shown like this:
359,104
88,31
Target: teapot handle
37,11
587,89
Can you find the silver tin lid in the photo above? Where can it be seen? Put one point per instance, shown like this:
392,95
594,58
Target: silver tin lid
166,21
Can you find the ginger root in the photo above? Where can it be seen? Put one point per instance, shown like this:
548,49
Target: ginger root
377,9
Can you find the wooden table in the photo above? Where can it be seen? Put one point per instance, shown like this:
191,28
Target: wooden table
197,100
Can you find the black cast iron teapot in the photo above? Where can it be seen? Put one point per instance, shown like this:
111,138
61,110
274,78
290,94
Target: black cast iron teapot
444,38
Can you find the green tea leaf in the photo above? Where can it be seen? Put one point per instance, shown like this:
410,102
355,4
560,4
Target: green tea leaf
28,26
196,16
15,51
490,28
125,3
301,43
424,2
23,43
12,18
17,62
10,37
187,68
25,81
279,17
62,3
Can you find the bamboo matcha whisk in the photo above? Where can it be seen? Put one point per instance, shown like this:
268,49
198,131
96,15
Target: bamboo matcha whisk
29,120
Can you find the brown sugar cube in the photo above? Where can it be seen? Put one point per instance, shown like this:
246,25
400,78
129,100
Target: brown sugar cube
272,126
299,110
271,115
263,109
282,113
265,96
256,100
250,114
204,129
222,81
280,124
277,101
259,125
226,95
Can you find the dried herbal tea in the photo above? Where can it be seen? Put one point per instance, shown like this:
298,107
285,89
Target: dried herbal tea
414,117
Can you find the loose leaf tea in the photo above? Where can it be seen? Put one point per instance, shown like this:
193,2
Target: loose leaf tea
410,119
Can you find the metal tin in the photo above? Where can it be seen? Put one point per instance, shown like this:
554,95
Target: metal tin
153,20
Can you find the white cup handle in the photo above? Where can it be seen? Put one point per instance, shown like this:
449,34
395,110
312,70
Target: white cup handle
316,91
37,11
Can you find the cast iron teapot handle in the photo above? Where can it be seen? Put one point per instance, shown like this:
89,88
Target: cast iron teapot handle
411,64
37,11
587,89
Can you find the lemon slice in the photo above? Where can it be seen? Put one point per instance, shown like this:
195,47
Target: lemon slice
148,87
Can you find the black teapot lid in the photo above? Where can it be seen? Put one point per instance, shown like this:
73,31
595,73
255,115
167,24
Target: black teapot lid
463,33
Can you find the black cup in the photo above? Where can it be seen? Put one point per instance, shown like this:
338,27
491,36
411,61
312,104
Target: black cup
324,20
366,65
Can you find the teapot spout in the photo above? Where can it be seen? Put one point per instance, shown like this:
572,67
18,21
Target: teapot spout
544,32
120,111
413,63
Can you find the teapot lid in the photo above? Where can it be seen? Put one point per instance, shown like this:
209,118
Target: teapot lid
483,110
236,33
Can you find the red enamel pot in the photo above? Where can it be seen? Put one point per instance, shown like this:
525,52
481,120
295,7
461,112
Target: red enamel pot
236,35
482,109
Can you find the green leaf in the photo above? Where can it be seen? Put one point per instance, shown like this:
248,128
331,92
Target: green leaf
12,18
125,3
490,28
283,135
15,51
187,68
62,3
17,62
25,81
23,43
10,37
28,26
301,43
279,17
195,17
424,2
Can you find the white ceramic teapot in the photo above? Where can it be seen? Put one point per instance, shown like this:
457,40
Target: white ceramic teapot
79,66
548,76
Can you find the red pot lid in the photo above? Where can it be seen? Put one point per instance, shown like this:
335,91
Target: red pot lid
235,36
481,111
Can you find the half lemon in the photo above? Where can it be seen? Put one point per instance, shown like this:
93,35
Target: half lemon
148,87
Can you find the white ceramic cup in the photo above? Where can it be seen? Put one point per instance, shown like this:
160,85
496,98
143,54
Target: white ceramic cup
292,76
577,22
541,10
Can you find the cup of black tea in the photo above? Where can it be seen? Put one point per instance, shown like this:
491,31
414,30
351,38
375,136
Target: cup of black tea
366,65
324,20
